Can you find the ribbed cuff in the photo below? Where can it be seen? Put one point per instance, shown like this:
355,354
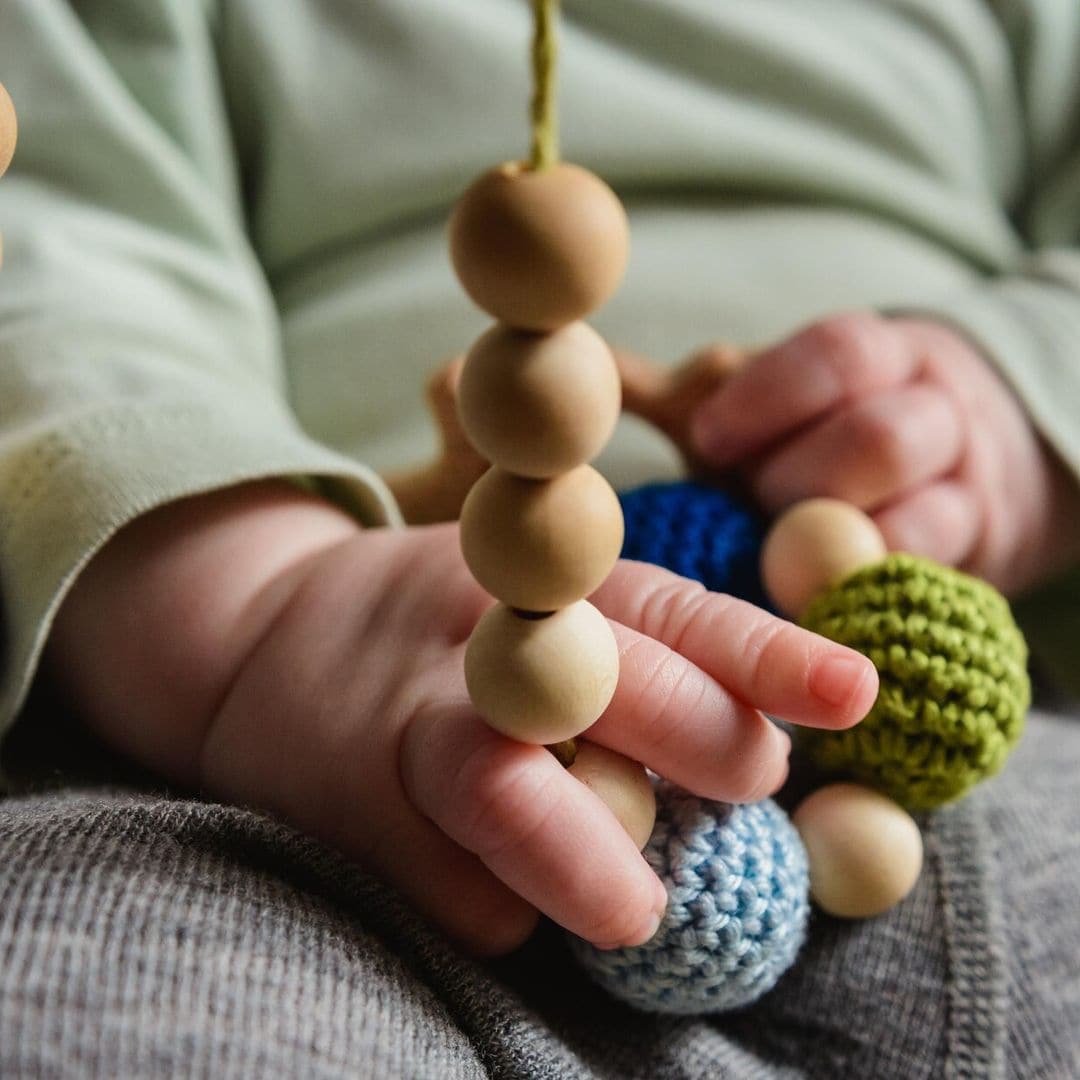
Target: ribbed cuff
65,492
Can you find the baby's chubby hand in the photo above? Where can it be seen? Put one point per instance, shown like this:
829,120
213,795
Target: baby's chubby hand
908,421
261,646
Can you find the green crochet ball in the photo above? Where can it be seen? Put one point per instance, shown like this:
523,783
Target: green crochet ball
954,684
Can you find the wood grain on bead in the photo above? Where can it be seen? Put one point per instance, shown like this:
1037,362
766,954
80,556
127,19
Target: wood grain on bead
542,680
813,545
865,851
538,545
621,784
539,249
9,130
539,404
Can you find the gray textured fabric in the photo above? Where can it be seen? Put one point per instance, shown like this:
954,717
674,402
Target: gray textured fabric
146,936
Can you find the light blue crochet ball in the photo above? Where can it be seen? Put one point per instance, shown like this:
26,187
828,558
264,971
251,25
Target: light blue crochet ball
738,904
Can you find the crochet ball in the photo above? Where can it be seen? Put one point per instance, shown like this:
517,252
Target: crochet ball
702,533
954,684
738,887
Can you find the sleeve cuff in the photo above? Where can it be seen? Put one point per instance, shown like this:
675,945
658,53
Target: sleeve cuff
64,493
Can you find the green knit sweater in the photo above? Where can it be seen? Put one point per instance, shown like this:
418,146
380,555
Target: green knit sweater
224,228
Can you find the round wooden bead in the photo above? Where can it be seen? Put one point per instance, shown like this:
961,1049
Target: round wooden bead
539,404
623,786
539,545
813,545
9,129
542,680
865,851
539,248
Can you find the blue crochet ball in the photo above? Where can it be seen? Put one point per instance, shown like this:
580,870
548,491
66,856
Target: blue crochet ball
738,889
699,532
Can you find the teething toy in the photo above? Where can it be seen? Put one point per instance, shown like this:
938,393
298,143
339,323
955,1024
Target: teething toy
539,246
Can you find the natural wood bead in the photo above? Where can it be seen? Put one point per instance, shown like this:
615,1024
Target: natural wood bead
9,130
539,404
539,545
539,248
865,851
542,680
622,784
813,545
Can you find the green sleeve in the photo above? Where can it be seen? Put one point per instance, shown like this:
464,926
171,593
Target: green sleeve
139,351
1026,319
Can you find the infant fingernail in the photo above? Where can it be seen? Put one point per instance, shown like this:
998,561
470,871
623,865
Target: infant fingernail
837,680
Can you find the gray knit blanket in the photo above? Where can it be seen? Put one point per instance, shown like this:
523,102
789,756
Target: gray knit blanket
149,935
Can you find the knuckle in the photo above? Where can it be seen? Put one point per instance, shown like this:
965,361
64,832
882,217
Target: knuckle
504,803
848,345
616,922
766,644
881,445
671,611
684,611
497,930
672,693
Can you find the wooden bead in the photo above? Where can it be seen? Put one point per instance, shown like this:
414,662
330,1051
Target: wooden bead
542,680
539,545
865,851
539,249
9,130
539,404
622,784
813,545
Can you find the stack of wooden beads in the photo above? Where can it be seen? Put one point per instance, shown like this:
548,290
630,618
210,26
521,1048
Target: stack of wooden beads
539,396
8,133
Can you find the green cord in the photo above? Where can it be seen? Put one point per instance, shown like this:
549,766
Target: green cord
545,113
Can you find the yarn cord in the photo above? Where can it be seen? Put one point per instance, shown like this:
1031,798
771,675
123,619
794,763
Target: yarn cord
545,111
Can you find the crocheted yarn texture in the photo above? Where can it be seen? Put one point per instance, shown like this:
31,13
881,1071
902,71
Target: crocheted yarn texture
954,685
737,885
702,533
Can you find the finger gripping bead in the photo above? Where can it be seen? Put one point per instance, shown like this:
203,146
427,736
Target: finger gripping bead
954,684
738,887
621,783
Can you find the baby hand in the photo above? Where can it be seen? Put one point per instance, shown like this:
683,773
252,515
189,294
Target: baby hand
907,420
333,695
